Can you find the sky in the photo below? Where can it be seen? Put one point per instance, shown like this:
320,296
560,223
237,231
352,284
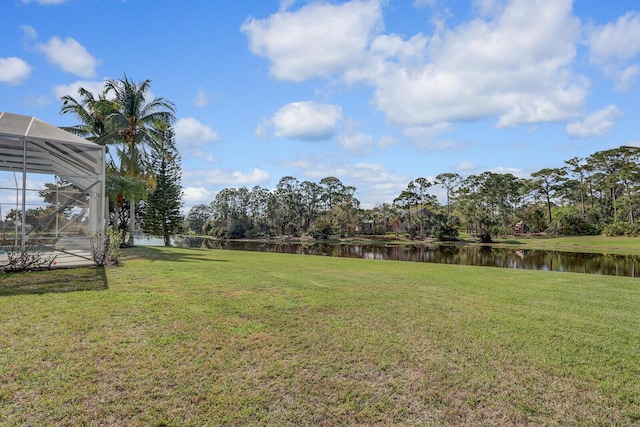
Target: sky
374,92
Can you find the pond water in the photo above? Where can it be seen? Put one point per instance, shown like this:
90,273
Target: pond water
616,265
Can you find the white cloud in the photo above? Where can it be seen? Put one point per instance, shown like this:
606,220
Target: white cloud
8,186
599,123
394,46
202,99
94,86
196,195
429,137
625,77
190,132
613,46
374,182
617,42
465,167
318,40
70,56
386,141
308,121
263,129
44,1
13,70
512,66
517,172
29,32
489,7
33,101
501,64
358,142
423,3
286,4
318,167
427,132
377,183
224,177
194,138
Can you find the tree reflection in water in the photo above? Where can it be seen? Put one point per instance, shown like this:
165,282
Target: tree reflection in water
531,259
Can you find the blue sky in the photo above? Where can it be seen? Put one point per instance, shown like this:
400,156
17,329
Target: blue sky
373,92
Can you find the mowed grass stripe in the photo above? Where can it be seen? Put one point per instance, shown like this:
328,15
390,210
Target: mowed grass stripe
204,337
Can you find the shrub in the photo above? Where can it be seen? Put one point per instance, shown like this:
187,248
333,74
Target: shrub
108,251
446,233
621,229
485,236
321,229
571,224
27,258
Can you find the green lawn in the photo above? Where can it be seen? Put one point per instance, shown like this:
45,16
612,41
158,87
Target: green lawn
187,337
588,244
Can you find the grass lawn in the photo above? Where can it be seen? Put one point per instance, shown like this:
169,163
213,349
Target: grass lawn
587,244
189,337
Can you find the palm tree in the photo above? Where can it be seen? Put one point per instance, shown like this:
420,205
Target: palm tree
93,114
139,122
119,188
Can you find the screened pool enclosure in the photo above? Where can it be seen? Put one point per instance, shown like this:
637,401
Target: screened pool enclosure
52,190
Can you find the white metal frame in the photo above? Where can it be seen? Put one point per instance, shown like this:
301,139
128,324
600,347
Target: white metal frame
29,145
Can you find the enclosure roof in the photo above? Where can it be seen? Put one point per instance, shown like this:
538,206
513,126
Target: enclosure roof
49,150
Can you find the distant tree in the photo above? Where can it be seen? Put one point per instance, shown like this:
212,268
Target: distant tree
548,181
197,217
404,201
449,181
311,197
350,205
332,191
258,208
39,218
419,186
60,193
395,219
162,215
414,201
469,203
289,210
375,220
620,177
68,204
578,170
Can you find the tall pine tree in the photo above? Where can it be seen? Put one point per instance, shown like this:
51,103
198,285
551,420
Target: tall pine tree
162,215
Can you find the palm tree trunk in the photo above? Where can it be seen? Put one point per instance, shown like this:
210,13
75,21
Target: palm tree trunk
132,221
115,218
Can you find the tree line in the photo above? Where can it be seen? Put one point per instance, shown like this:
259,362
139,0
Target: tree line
592,195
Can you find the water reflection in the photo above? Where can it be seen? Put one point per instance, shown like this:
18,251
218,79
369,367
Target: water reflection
616,265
